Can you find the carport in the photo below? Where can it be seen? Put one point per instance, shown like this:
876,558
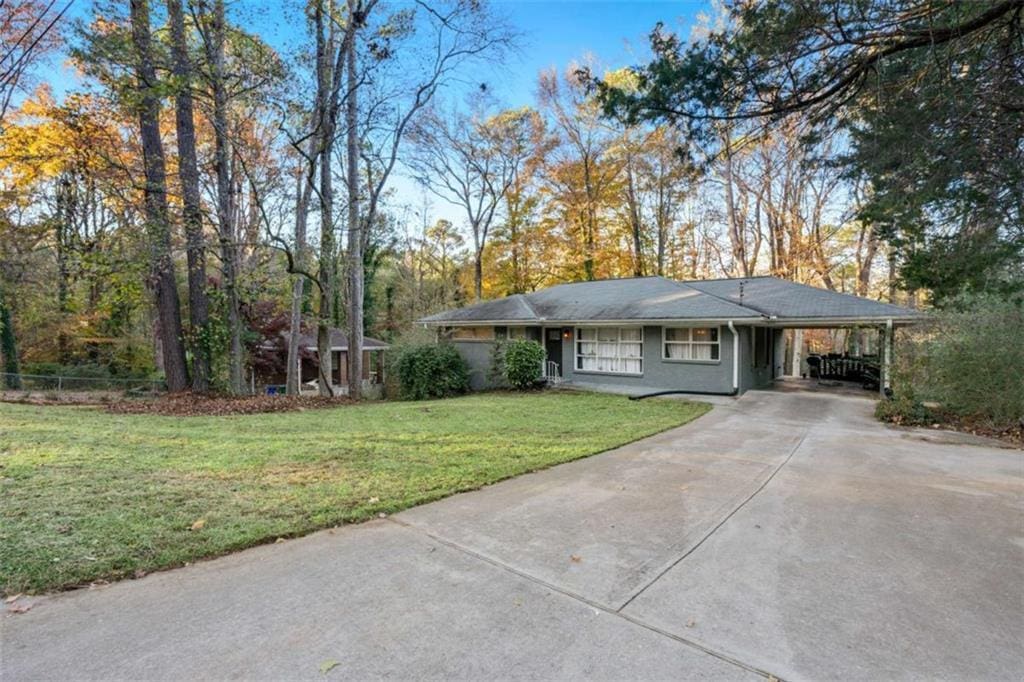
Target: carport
791,306
863,355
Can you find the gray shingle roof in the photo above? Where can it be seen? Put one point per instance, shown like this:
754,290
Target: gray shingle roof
658,298
641,298
784,299
509,309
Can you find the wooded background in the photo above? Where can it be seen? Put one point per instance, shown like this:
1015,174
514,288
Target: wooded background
204,196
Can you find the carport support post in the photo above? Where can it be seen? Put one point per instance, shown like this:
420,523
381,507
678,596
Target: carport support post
885,383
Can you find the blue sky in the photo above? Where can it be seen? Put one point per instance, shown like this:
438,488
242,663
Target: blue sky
554,33
557,32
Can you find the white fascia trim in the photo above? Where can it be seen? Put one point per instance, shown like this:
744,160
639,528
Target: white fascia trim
810,322
680,321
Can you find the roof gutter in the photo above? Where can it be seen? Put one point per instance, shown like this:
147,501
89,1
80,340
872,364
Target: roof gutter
735,358
826,322
661,321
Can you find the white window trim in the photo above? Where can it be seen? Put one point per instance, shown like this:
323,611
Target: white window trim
665,341
576,351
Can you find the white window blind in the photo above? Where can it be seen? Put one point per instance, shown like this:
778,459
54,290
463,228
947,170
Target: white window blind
612,350
690,343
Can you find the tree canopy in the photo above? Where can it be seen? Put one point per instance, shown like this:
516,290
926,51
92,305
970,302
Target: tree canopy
929,92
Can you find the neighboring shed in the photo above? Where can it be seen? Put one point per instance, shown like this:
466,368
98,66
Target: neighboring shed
373,361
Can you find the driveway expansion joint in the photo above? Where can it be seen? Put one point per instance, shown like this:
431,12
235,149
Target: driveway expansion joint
604,608
718,525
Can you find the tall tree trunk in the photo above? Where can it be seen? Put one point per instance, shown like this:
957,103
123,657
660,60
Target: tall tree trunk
355,226
158,228
326,273
478,274
9,346
636,227
892,274
518,280
225,198
736,238
867,249
63,226
188,171
662,215
304,191
590,223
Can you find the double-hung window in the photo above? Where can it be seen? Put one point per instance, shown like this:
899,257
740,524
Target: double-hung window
698,344
611,350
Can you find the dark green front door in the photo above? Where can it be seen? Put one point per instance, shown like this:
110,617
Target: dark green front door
553,346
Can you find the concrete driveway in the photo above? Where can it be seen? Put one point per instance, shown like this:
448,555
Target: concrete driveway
782,534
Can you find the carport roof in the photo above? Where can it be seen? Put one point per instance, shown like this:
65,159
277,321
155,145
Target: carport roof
766,300
785,300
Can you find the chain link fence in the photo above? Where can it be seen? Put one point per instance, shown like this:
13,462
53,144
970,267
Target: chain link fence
47,385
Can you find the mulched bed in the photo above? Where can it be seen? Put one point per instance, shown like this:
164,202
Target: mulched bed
194,405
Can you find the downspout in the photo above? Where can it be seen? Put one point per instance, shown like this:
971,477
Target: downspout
735,358
735,374
886,379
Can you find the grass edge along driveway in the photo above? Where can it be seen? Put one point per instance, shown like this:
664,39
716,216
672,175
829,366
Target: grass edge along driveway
89,496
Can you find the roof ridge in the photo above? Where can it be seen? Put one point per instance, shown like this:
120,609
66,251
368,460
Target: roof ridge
807,287
732,279
742,306
847,294
604,279
525,300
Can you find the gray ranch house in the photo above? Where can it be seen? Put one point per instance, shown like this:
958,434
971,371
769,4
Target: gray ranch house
649,334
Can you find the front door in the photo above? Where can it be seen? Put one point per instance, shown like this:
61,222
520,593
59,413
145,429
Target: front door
553,346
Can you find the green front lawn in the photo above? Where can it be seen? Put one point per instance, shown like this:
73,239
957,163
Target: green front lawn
88,495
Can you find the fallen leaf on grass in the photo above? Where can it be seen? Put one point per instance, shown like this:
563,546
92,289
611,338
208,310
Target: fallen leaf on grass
374,500
199,524
575,558
328,666
191,404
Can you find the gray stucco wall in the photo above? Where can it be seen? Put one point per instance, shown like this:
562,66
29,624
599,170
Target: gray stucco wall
658,374
478,355
756,372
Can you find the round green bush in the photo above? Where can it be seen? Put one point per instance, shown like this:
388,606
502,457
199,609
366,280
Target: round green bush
431,371
523,361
